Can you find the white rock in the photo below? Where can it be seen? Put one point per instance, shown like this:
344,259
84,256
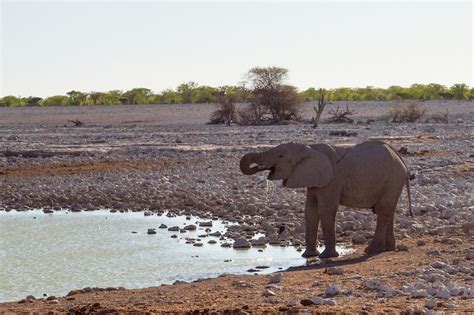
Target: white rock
446,214
371,284
276,278
332,290
268,292
468,293
419,293
317,300
443,293
454,291
329,302
439,265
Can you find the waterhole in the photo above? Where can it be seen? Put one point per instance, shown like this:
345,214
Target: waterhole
55,253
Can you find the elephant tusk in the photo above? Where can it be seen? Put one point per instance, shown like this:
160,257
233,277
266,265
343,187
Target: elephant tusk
261,167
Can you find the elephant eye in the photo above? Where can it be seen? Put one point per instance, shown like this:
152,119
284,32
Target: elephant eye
281,155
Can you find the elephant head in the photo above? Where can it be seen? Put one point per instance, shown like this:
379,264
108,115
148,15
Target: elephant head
296,164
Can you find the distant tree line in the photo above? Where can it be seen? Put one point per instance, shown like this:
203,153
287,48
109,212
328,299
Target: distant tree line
191,92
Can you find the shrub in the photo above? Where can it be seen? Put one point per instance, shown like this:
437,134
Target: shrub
439,118
406,112
225,114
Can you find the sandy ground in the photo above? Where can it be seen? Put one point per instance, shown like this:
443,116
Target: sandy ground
164,158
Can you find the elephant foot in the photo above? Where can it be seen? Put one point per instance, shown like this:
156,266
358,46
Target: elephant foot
310,253
329,253
390,247
374,249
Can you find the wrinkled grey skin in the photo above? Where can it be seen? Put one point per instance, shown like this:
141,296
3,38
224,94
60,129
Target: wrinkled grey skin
367,175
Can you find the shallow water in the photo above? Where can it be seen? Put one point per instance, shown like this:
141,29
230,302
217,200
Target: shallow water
55,253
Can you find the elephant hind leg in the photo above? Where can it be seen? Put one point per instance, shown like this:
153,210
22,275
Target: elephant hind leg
383,238
390,237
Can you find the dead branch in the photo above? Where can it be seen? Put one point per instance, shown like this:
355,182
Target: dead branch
76,122
339,116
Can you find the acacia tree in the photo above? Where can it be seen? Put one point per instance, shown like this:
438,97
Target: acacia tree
77,98
271,96
137,96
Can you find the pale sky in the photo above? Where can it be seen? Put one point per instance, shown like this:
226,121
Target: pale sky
50,48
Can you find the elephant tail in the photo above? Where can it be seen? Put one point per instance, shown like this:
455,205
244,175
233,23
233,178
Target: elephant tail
407,180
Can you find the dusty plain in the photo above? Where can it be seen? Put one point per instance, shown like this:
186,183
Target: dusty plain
165,158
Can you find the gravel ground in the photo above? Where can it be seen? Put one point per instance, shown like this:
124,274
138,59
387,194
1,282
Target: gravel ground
164,158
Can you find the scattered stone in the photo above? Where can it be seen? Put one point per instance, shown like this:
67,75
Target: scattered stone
243,284
332,290
47,211
163,226
151,231
358,239
306,302
331,302
190,227
173,229
198,244
276,278
334,271
371,284
206,224
317,300
443,293
268,292
212,242
241,243
421,293
174,236
402,248
429,303
421,243
468,294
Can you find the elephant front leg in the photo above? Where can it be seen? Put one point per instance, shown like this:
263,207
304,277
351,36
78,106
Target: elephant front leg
311,215
328,222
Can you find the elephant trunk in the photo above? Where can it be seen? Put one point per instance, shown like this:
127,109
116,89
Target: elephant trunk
248,160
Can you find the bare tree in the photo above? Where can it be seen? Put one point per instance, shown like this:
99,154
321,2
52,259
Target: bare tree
319,110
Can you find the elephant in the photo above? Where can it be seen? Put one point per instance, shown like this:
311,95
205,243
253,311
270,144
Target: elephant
367,175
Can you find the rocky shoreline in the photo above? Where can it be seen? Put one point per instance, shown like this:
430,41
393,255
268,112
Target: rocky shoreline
184,167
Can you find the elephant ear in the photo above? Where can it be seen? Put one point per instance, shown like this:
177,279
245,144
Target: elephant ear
314,170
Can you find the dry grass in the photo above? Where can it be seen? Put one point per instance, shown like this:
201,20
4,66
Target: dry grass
406,112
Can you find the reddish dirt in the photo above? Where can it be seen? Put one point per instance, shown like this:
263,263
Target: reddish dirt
223,294
69,169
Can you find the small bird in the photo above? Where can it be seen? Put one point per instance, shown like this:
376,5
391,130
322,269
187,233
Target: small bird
281,228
